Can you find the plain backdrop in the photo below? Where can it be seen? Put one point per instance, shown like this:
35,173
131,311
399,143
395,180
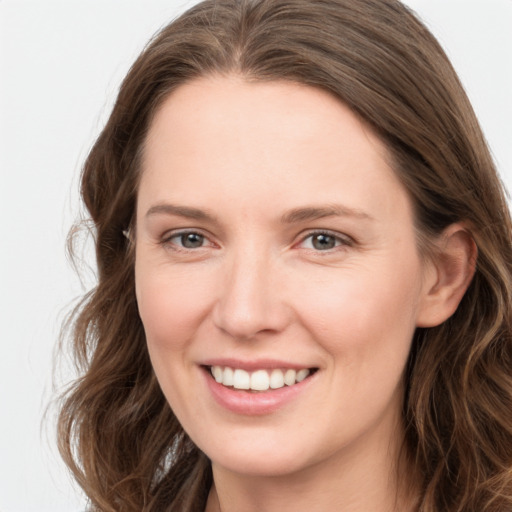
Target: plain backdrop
61,63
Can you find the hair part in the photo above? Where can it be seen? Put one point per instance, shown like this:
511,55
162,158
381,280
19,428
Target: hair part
117,433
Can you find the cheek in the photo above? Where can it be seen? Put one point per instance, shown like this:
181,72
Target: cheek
364,323
171,306
365,314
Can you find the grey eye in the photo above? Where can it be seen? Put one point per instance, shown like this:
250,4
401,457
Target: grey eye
323,242
189,240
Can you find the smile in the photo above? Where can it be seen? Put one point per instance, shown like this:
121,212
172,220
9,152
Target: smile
259,380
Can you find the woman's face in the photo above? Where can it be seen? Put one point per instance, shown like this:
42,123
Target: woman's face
274,244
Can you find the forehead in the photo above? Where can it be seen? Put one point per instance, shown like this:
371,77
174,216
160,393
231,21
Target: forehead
225,137
244,111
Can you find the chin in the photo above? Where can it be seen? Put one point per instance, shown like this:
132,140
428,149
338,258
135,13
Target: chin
275,457
260,466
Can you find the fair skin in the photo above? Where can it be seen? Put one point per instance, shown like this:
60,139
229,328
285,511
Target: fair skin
273,235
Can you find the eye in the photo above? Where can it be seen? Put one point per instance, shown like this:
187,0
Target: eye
187,240
324,241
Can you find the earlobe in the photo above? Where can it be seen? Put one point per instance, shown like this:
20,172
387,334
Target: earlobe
452,268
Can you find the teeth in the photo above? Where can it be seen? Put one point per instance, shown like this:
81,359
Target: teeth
276,379
241,379
301,375
227,379
289,377
217,373
260,380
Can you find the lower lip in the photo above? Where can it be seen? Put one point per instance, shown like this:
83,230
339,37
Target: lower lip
251,403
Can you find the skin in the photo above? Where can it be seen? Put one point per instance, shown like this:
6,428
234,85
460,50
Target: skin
258,286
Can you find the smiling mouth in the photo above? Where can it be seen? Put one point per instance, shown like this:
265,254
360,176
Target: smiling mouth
259,380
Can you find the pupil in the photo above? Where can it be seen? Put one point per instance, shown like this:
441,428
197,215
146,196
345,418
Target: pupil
323,242
192,240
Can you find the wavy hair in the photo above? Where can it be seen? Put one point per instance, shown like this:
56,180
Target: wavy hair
117,433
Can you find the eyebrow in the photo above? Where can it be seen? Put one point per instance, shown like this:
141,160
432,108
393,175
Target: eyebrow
181,211
319,212
293,216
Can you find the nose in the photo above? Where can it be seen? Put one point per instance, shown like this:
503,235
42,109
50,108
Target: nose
251,298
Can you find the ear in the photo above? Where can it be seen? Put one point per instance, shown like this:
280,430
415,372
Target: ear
448,276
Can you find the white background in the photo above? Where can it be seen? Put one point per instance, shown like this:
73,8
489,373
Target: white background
60,65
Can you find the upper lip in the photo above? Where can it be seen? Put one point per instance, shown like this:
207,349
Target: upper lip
256,364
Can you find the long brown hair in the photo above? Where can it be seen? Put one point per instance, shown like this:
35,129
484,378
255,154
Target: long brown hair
116,431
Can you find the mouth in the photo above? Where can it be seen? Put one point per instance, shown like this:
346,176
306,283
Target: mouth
259,380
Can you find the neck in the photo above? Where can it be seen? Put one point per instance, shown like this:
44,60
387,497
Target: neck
370,475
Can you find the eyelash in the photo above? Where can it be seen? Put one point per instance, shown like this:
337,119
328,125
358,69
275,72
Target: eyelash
167,240
341,241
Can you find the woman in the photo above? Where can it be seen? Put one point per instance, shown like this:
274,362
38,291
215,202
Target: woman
304,265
